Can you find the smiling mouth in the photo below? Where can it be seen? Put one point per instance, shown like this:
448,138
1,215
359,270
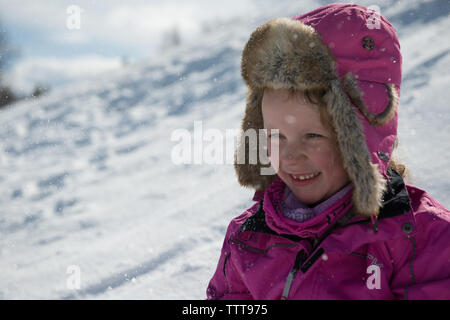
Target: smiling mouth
304,177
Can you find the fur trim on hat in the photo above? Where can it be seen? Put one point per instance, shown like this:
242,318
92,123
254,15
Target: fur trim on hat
287,54
351,88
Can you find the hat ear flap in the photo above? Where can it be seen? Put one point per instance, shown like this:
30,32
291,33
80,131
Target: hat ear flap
368,182
351,88
246,158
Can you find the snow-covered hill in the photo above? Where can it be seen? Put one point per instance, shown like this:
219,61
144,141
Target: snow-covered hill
87,177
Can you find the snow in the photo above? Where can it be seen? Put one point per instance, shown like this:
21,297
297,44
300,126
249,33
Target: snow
88,180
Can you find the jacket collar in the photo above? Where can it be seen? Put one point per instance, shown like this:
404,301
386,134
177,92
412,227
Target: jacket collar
268,219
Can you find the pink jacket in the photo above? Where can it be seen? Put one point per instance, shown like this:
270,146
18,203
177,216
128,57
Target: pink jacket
405,254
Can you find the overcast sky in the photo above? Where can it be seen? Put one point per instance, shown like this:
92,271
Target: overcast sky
51,53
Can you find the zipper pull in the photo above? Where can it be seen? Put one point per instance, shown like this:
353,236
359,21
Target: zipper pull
299,259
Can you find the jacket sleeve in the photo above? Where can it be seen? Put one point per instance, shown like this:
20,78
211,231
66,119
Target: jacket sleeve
424,269
226,283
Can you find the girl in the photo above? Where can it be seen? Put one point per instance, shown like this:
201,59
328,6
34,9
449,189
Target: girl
336,221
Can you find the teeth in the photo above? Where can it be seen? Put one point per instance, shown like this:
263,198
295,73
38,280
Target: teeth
306,177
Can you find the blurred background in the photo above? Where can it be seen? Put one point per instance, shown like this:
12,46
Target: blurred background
49,43
92,205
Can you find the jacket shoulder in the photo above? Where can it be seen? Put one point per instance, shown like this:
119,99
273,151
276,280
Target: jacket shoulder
423,255
236,223
427,209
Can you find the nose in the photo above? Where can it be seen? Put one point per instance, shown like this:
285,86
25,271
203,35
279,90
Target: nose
294,152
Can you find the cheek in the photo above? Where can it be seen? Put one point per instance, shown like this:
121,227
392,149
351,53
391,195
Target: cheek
277,147
336,170
327,157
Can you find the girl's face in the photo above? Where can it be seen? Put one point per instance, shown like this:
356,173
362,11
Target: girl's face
309,159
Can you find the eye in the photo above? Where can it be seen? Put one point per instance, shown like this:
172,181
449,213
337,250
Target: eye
313,135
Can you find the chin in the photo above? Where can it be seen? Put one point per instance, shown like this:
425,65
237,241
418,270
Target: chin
311,203
309,200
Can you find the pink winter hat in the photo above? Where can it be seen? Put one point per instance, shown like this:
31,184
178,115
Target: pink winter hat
354,54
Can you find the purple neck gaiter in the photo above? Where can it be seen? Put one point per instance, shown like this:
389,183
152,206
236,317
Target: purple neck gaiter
294,209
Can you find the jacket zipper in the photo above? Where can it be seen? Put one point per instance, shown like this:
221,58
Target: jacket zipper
299,259
301,263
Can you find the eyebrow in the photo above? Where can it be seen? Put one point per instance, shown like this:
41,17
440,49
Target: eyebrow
309,130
